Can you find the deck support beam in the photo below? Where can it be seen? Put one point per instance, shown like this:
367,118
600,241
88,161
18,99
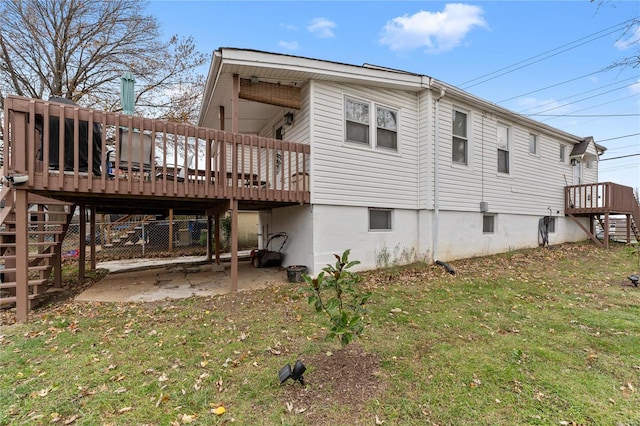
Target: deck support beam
92,230
82,252
22,255
590,234
234,245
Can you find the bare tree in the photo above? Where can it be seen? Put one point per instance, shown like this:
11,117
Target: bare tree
79,49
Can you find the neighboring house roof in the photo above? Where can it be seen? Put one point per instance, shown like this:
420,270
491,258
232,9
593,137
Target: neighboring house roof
587,148
296,71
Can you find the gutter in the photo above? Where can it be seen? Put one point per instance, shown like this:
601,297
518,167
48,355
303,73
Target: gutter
436,171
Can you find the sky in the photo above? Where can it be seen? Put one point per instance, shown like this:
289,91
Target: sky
548,58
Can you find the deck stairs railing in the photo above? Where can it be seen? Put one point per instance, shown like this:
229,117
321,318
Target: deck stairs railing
604,198
126,229
48,221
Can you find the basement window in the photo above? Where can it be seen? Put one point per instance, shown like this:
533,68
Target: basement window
379,219
488,224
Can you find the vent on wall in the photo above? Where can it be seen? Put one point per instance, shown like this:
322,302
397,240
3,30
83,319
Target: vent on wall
484,206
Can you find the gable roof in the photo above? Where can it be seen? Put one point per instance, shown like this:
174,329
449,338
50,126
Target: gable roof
290,70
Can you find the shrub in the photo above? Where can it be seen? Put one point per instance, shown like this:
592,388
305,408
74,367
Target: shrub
335,292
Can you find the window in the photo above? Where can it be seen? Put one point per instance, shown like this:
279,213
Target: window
563,156
357,121
488,224
357,124
504,145
460,142
551,226
387,125
379,220
533,144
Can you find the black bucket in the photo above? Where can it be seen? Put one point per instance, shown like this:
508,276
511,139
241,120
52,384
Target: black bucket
294,273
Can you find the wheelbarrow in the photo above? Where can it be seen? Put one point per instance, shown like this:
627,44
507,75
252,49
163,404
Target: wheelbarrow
265,258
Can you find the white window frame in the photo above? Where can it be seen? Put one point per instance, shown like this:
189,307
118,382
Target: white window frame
563,153
535,138
493,223
372,124
390,219
500,145
464,138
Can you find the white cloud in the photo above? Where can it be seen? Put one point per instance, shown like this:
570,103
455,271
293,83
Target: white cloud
437,31
289,45
322,27
630,38
635,87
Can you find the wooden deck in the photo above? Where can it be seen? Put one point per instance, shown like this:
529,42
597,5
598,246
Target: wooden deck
143,164
59,156
600,201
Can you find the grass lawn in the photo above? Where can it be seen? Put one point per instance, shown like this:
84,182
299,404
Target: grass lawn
547,336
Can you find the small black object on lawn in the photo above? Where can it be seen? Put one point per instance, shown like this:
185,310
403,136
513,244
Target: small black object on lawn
296,375
634,279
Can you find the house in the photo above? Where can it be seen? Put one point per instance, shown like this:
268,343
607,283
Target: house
402,166
395,166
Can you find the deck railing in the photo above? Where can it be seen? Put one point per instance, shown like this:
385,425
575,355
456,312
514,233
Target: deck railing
108,153
605,197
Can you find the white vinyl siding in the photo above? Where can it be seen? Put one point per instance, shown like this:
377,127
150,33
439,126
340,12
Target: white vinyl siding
534,183
346,173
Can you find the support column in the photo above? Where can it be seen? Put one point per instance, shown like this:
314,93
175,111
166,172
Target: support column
606,230
209,238
22,255
234,245
217,237
92,230
82,252
170,230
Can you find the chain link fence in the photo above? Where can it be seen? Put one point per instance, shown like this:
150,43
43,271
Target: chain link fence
142,237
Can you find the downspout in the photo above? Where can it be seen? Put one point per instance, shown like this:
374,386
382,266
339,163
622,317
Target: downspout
436,174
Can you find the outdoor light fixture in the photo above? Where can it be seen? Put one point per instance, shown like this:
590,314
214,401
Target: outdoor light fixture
254,79
298,370
288,118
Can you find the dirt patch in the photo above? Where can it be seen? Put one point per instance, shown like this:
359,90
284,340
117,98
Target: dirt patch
348,377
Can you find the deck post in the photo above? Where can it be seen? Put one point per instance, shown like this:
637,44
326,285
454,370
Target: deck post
22,255
217,237
209,238
92,230
234,245
606,230
82,252
170,230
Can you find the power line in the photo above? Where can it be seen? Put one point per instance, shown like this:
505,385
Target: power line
620,137
585,115
582,93
545,55
621,156
593,106
555,85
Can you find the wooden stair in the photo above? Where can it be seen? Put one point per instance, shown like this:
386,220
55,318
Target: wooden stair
48,221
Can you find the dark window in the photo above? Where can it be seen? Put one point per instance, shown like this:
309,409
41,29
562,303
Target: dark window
488,223
379,219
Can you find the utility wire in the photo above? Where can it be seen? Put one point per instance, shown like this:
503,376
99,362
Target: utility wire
620,137
585,115
556,85
545,55
593,106
579,100
585,92
621,156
